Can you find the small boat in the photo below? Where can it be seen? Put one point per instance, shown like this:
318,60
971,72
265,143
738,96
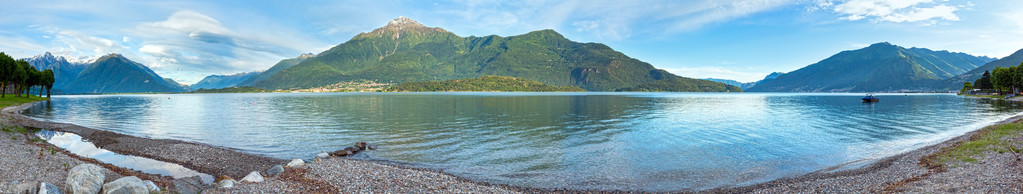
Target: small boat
870,98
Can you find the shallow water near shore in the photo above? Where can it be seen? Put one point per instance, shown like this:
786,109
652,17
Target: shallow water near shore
623,141
73,143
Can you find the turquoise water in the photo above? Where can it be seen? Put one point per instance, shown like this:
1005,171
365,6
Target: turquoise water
626,141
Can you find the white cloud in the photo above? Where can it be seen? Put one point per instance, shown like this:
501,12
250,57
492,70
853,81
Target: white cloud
19,47
603,19
194,42
897,11
718,73
98,45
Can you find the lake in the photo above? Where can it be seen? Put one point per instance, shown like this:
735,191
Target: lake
626,141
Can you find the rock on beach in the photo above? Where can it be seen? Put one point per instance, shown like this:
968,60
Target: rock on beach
192,184
276,169
253,177
47,188
151,186
30,187
125,185
85,178
295,163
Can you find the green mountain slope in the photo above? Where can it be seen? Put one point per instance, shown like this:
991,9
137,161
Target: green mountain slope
682,84
486,83
879,67
115,74
222,81
283,64
955,83
405,50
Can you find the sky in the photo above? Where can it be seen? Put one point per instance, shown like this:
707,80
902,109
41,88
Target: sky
742,40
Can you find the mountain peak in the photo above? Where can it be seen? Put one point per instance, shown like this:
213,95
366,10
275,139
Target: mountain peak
398,26
403,21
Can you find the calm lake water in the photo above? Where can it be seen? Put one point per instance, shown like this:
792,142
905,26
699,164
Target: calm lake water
629,141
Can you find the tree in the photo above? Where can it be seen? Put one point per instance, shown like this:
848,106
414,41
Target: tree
48,80
984,82
966,87
18,77
997,75
7,64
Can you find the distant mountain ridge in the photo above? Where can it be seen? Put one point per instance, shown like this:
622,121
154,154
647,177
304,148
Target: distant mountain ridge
746,85
879,67
222,81
283,64
114,73
955,83
405,50
64,69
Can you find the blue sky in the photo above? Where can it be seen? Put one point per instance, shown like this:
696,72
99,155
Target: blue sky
733,39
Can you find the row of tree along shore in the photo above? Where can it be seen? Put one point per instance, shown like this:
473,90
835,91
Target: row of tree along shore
22,77
998,80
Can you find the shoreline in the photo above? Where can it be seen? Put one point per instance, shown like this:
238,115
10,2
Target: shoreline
215,161
878,176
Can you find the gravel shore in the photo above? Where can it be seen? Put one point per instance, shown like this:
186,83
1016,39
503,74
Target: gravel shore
994,173
21,161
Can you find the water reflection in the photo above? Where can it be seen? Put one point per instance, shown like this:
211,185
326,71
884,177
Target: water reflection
74,144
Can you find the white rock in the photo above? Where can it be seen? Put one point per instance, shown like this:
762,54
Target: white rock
125,185
226,183
85,178
323,155
47,188
295,163
151,186
253,177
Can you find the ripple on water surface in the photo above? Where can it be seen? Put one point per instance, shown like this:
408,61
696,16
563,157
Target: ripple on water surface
627,141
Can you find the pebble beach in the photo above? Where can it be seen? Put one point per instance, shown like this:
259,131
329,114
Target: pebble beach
26,162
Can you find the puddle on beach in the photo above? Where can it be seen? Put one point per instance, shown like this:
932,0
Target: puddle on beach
74,144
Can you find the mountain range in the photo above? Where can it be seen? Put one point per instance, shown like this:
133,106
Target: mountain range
222,81
405,50
955,83
64,69
114,73
881,67
746,85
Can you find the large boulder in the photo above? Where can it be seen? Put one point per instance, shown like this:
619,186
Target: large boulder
47,188
125,185
189,185
85,178
253,177
276,169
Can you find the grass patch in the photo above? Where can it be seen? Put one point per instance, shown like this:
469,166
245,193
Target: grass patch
19,129
987,139
11,100
986,96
